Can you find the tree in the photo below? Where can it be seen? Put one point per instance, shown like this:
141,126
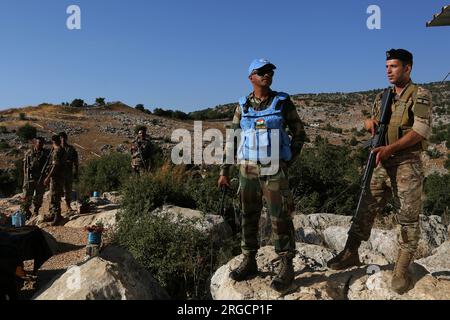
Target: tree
77,103
140,107
100,101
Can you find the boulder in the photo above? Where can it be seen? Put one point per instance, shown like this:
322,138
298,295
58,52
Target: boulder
438,263
381,247
376,286
313,281
114,275
112,197
433,234
108,218
212,224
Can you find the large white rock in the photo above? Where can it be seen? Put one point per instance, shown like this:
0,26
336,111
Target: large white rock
113,197
439,262
313,281
377,287
209,223
381,247
114,275
108,218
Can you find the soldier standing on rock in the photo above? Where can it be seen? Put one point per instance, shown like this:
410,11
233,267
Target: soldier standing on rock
70,168
141,152
33,185
55,179
260,115
408,130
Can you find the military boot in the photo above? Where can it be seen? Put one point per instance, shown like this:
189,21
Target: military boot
246,269
285,276
401,280
56,219
348,257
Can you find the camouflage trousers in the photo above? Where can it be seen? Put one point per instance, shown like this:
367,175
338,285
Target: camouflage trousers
56,192
68,183
32,193
275,190
405,174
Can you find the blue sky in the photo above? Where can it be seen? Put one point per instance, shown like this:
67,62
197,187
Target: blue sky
189,55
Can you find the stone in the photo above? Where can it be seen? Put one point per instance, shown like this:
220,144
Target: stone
114,275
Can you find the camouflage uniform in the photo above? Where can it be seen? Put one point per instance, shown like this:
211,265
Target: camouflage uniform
57,180
146,148
70,161
35,160
411,110
273,188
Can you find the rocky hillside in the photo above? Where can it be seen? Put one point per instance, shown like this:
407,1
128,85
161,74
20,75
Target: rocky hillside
318,238
97,130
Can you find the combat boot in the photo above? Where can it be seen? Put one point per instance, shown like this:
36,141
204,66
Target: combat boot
348,257
246,269
401,280
285,276
56,219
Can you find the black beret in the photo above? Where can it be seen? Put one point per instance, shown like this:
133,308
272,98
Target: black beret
399,54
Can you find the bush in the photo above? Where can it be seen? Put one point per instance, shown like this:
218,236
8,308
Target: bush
107,173
181,257
77,103
22,116
437,192
326,179
3,129
4,145
100,101
26,132
140,107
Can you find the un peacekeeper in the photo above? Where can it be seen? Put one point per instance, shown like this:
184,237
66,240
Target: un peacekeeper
70,168
33,185
260,112
408,130
141,152
55,179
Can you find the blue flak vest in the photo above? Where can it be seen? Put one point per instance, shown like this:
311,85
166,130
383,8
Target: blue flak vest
260,128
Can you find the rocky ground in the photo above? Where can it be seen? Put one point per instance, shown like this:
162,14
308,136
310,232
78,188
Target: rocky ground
116,275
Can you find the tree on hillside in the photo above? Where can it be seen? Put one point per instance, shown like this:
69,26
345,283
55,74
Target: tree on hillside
77,103
100,101
140,107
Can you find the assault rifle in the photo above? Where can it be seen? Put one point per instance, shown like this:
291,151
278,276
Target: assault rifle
378,140
44,168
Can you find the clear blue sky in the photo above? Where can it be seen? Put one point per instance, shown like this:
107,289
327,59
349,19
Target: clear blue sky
194,54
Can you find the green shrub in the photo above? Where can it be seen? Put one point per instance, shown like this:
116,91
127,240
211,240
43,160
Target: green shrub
437,192
22,116
181,257
107,173
77,103
326,178
3,129
26,132
4,145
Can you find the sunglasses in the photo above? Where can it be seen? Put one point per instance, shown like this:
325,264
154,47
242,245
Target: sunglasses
262,72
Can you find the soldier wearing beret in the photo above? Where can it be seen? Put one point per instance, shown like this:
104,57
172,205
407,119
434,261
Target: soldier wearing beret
398,161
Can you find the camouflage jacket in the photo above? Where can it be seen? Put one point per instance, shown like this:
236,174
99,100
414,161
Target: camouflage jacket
141,150
57,163
70,159
34,162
